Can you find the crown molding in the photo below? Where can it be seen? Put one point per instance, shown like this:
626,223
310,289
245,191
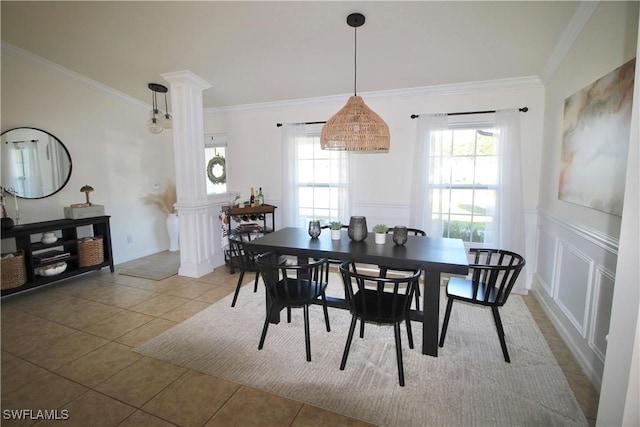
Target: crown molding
414,92
569,36
35,60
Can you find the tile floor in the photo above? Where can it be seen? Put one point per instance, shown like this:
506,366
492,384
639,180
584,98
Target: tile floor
66,348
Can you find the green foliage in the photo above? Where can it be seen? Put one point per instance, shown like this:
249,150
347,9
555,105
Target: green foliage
463,230
380,228
335,225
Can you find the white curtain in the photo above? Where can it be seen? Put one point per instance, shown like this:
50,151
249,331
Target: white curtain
291,135
507,229
343,181
427,171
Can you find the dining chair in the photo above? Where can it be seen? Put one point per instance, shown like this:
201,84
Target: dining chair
290,286
411,232
493,274
379,300
244,261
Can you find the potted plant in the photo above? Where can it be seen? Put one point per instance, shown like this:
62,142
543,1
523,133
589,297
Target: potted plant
380,231
335,227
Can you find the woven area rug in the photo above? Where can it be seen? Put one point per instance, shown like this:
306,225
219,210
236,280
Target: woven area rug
468,384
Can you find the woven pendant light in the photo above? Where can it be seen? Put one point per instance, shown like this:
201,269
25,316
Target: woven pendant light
355,127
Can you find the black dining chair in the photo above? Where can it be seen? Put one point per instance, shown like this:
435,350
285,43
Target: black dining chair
493,274
244,261
410,232
379,300
290,286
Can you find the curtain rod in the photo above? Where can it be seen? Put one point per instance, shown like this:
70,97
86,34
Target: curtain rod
415,116
523,109
305,123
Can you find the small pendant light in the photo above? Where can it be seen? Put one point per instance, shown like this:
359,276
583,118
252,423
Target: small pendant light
158,121
355,127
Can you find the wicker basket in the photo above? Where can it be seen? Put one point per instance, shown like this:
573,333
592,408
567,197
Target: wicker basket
90,251
13,271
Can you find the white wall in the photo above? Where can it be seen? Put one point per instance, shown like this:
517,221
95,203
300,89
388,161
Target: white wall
577,247
110,149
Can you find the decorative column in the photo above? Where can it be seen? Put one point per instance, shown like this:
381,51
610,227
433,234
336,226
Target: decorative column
196,225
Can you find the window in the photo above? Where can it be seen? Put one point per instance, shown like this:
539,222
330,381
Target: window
321,181
215,163
465,164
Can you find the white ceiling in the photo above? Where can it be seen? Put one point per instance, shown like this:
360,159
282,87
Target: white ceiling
254,52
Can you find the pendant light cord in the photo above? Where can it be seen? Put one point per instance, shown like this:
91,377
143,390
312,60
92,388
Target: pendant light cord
355,60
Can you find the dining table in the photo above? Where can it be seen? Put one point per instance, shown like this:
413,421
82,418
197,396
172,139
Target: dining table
433,255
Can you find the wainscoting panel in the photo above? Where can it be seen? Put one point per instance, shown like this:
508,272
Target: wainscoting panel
573,281
601,309
547,254
573,285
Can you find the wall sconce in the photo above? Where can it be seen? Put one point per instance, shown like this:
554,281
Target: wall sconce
159,120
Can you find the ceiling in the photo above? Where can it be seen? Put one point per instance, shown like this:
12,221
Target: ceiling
256,52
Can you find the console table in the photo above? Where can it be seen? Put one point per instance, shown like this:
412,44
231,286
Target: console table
27,240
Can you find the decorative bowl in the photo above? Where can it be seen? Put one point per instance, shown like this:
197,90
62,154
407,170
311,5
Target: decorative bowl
51,270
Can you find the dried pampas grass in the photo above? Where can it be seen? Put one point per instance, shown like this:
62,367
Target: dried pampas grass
165,200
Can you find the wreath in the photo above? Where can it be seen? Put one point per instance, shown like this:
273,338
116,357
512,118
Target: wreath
216,170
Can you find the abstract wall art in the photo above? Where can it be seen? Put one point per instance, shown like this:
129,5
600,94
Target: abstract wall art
595,142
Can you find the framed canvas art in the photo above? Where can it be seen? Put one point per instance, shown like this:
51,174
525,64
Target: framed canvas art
595,142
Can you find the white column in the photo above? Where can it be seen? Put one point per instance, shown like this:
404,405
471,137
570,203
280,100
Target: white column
195,213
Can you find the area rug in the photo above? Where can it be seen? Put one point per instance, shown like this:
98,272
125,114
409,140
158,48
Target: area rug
468,384
154,267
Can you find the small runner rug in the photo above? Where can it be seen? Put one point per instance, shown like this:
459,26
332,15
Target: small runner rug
468,384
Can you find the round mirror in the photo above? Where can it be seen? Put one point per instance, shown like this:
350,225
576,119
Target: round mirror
35,164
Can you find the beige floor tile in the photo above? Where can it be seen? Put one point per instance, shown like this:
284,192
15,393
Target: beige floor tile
28,333
124,296
119,324
192,399
251,407
585,393
65,350
49,392
158,305
17,373
100,364
186,310
310,416
85,314
145,332
140,381
140,419
93,410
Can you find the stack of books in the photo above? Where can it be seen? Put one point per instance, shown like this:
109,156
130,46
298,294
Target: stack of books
52,255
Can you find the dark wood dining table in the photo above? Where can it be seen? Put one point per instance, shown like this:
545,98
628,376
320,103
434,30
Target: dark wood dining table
433,255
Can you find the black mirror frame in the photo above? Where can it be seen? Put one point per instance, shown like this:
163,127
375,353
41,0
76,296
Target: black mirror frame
66,151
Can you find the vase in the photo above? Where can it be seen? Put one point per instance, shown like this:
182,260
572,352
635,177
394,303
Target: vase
399,235
314,229
335,234
358,228
7,223
48,237
173,228
380,238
